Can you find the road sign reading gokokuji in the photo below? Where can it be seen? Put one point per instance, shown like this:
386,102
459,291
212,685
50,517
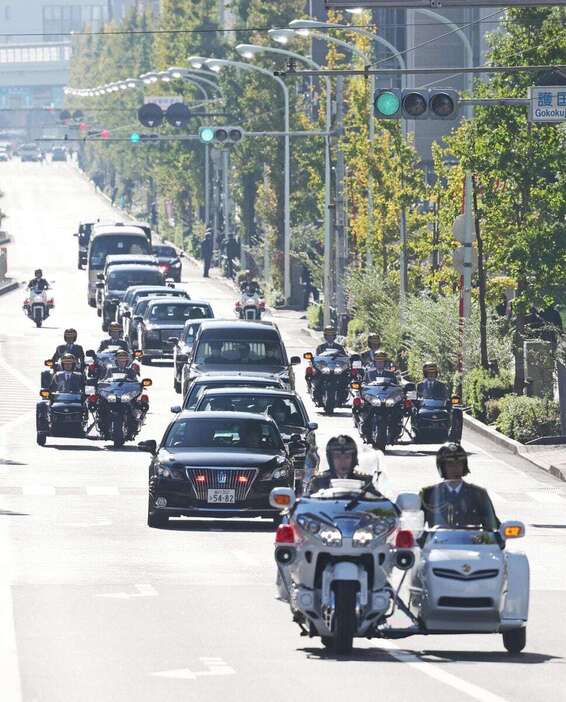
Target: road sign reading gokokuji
548,103
341,4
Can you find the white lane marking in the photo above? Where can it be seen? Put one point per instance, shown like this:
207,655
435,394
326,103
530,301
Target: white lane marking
246,559
437,673
37,490
15,373
546,497
142,590
9,667
216,666
93,490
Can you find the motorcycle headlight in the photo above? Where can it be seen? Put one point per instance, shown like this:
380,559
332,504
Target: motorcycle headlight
128,396
339,369
325,370
375,401
390,402
330,536
363,537
111,398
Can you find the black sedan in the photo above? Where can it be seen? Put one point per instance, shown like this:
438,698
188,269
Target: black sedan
216,464
169,261
222,380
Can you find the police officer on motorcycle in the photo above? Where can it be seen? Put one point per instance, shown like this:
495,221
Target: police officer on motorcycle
342,459
114,338
123,366
380,368
67,380
38,283
330,342
368,356
70,346
454,503
430,387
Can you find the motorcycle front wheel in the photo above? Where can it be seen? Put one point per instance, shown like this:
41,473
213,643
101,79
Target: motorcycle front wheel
344,616
379,435
329,401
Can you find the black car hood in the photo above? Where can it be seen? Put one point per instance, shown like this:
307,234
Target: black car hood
216,457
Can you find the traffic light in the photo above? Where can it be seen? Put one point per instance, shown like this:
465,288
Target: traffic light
178,114
416,104
78,116
64,116
135,138
150,115
221,136
105,134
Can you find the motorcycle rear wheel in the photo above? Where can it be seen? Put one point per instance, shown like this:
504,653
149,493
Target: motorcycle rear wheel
344,616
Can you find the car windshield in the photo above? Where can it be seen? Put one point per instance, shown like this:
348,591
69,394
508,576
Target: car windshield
190,332
222,433
178,312
284,410
122,279
141,307
165,251
197,388
103,246
218,351
461,537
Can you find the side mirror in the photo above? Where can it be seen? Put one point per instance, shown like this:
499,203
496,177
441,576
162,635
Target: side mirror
76,234
173,340
49,363
512,530
408,502
100,276
138,318
127,314
45,394
99,285
149,446
90,353
176,409
295,360
181,254
138,353
312,426
308,356
147,382
282,498
356,365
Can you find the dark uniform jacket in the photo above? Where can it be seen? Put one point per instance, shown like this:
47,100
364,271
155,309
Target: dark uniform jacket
322,480
470,506
39,284
72,384
75,349
329,346
129,372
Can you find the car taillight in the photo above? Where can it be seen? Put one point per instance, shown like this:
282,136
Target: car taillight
92,399
164,267
357,402
285,534
407,404
309,370
404,539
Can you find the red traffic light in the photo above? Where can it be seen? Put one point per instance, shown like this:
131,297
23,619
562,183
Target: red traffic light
105,134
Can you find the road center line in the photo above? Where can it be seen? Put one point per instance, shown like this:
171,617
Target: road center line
437,673
10,683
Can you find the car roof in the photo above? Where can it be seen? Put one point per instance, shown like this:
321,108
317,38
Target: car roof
239,331
117,230
122,257
230,416
228,390
138,267
240,324
164,300
224,377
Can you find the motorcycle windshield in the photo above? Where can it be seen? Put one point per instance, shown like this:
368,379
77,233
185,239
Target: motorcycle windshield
383,391
331,359
375,512
120,388
434,391
433,404
66,397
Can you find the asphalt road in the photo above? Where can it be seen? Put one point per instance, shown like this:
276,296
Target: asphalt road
95,606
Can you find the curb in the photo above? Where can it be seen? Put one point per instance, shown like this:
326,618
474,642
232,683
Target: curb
514,447
8,287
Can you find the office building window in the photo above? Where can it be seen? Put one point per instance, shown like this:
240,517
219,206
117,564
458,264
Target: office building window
59,20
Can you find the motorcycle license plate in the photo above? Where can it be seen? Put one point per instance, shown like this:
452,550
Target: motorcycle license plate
221,497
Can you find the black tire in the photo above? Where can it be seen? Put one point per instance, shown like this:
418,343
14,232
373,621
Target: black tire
38,322
329,401
515,640
457,426
156,520
41,438
99,314
344,616
118,436
379,435
177,385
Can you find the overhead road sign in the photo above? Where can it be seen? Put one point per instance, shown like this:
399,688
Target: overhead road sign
547,103
434,4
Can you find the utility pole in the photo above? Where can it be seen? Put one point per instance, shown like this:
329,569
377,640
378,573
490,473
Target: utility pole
339,208
226,191
327,215
215,157
206,185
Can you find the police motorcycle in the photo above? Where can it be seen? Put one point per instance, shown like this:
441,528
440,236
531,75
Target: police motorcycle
379,407
335,553
251,305
38,305
328,378
118,404
435,417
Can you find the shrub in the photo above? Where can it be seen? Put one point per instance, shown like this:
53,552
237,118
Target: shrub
357,335
315,316
480,387
527,418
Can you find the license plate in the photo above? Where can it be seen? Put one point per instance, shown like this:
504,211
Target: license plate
221,497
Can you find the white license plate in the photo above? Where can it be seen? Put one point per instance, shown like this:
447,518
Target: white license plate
222,497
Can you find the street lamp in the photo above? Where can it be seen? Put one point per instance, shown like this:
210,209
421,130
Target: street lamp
217,65
251,51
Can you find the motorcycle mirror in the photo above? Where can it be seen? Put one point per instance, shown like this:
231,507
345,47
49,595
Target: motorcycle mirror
312,426
408,502
90,353
127,314
512,530
44,393
48,363
282,498
355,386
181,254
308,356
100,276
138,353
295,360
138,318
147,382
149,446
356,365
176,409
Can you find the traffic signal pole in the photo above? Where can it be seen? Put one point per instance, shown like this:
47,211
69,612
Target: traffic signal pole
340,216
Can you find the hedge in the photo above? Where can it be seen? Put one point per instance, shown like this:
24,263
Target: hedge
480,387
526,418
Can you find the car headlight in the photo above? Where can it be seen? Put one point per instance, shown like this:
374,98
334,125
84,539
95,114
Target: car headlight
390,402
375,401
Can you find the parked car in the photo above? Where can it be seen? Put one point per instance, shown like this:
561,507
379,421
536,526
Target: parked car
253,347
169,261
216,464
164,319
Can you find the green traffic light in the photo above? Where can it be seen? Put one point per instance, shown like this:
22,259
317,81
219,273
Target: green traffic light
206,134
387,104
135,138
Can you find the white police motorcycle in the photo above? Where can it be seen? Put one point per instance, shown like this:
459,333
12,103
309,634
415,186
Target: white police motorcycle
338,551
